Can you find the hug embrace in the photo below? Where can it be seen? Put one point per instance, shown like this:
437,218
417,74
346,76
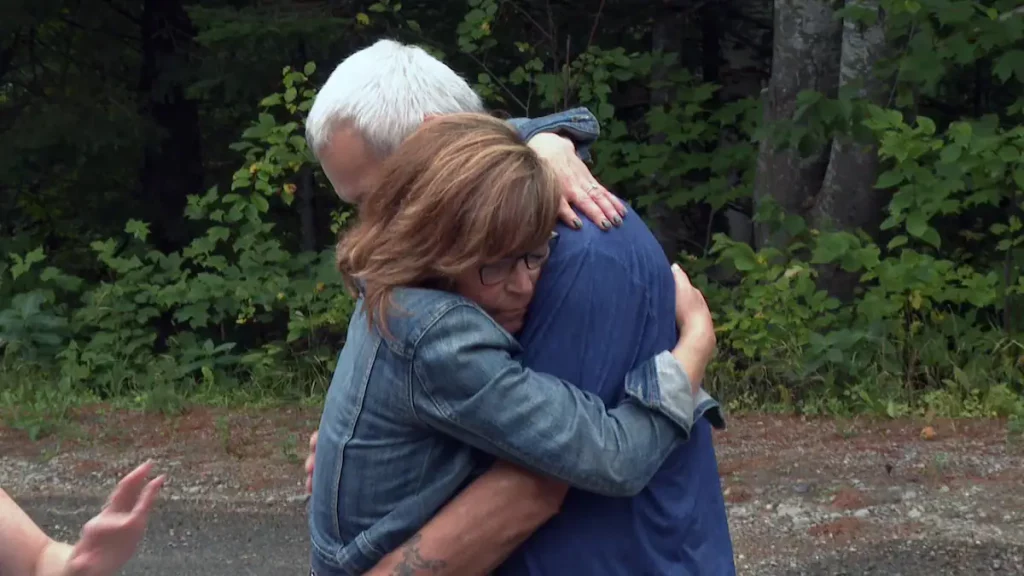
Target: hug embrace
515,395
519,392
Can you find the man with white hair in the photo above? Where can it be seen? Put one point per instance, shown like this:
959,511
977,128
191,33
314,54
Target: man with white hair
604,303
379,95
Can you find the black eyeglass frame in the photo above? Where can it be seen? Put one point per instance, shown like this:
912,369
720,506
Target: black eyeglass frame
506,266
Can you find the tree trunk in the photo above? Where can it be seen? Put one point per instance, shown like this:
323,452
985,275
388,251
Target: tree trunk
710,14
848,199
746,45
665,222
805,56
173,166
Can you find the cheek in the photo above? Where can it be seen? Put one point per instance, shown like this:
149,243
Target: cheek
350,169
490,298
535,276
336,176
469,286
343,192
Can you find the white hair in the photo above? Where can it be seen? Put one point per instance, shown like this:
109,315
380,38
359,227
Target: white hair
385,91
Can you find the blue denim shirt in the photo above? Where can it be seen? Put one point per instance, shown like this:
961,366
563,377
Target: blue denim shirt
604,303
405,416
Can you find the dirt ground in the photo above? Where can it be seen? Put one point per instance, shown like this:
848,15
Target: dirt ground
803,494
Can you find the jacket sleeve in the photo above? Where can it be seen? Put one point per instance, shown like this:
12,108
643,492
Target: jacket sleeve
577,124
467,384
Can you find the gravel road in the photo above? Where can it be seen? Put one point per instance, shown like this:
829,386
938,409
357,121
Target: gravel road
197,539
805,497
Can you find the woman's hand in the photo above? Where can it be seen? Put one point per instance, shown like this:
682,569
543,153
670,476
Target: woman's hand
579,187
110,539
697,339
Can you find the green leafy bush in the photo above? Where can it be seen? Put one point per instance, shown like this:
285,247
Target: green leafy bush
923,329
932,325
235,308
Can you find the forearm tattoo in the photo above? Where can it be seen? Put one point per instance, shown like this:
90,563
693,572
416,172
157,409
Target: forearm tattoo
413,563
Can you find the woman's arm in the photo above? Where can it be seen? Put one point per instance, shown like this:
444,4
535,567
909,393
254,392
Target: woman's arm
108,540
24,548
467,385
563,140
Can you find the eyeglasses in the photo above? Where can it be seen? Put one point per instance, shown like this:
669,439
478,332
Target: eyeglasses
497,272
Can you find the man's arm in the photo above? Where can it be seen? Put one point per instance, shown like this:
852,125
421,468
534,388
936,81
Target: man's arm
487,521
481,527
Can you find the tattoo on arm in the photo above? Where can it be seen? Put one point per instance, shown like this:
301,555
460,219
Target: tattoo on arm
413,563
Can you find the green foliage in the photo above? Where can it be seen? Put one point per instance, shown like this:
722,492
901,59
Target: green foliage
32,317
936,320
923,329
237,305
239,310
26,405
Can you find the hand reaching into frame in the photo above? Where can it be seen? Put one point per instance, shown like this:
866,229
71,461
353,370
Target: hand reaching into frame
110,539
579,187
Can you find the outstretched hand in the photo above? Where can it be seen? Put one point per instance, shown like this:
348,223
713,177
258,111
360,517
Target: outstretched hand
110,539
579,187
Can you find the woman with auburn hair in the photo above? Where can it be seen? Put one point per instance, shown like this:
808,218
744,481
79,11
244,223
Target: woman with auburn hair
444,259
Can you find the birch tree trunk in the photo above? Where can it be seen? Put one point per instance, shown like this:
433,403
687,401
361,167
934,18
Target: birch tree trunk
805,56
848,198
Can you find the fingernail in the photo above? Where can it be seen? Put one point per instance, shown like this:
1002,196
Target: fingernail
675,266
605,225
577,223
617,220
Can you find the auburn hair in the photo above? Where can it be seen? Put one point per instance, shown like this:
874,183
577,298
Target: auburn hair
462,191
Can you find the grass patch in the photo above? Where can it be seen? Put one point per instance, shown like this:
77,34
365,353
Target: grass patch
38,402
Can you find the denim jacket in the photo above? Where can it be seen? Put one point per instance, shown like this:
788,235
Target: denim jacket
577,124
405,416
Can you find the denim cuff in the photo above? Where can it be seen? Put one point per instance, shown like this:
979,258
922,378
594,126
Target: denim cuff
578,124
708,407
661,384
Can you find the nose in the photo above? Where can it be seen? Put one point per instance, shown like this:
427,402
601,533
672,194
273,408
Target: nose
520,282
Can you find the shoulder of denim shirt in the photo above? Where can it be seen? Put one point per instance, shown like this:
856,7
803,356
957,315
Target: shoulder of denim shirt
578,124
415,312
